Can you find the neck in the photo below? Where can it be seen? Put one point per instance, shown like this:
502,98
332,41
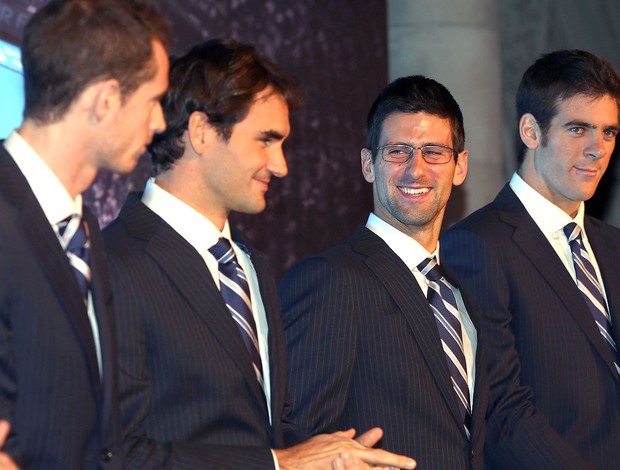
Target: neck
427,240
189,189
62,151
538,184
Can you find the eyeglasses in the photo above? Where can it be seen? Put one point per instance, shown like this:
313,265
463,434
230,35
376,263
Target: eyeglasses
401,153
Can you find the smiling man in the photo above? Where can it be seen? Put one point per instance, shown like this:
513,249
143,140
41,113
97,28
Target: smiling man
373,335
546,276
203,361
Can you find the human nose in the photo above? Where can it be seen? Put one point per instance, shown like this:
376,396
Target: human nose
277,163
158,122
416,164
599,146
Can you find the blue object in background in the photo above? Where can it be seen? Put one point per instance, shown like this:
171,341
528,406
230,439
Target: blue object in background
11,88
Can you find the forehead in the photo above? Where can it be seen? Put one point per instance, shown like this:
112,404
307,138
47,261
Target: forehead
268,112
162,62
600,111
158,83
416,128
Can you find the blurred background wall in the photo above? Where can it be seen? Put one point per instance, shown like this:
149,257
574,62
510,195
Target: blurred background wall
344,52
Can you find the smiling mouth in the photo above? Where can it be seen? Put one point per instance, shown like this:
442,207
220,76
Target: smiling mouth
414,191
264,184
590,171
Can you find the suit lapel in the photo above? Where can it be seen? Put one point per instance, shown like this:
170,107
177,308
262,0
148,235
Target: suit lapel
535,246
404,289
192,279
276,346
479,407
605,248
102,301
38,234
271,304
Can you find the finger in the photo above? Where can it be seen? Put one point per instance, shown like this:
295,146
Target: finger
370,437
349,433
384,458
4,431
352,463
6,463
337,464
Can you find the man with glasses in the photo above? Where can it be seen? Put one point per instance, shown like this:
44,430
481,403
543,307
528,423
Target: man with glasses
376,333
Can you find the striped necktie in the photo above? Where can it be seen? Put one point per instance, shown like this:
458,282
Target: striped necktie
445,309
590,288
236,293
74,239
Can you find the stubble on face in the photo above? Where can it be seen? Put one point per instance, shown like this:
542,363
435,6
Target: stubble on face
139,117
236,173
567,165
412,196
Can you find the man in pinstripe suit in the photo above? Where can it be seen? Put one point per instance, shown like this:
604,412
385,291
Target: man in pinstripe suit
554,385
190,397
94,71
364,344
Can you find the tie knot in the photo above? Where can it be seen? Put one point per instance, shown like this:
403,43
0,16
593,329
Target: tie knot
73,234
63,224
572,231
222,251
431,269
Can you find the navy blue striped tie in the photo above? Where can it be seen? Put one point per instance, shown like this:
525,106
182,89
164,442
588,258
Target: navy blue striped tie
590,288
444,306
236,293
73,235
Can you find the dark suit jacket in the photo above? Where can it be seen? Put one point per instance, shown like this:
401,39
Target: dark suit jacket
543,336
189,395
62,415
364,351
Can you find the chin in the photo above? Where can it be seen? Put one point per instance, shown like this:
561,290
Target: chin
128,165
256,208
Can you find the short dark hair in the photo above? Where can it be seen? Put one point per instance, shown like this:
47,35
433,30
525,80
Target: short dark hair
221,78
69,44
415,94
558,76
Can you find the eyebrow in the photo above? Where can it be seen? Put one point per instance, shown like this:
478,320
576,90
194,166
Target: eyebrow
271,134
436,144
578,123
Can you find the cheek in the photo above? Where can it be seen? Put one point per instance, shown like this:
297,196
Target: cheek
390,173
382,181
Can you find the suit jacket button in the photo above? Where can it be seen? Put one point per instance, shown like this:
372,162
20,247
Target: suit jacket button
106,455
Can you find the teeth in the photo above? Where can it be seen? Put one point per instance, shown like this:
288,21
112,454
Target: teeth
414,191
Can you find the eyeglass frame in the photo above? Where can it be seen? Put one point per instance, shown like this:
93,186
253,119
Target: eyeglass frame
421,149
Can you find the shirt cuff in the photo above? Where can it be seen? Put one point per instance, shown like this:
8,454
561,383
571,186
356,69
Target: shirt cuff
275,460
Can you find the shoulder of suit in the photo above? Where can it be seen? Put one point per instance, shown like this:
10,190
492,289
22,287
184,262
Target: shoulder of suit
598,230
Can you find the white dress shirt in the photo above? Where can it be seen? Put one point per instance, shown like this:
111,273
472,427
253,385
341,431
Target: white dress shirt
551,220
55,201
412,254
202,234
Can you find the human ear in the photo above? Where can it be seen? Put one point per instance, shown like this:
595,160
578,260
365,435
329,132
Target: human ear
100,100
367,165
197,128
460,171
529,131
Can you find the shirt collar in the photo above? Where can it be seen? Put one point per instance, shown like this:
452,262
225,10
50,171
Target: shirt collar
53,197
199,231
405,247
549,217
